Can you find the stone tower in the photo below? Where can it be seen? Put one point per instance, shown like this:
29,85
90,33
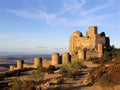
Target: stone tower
11,68
55,58
37,62
20,64
65,58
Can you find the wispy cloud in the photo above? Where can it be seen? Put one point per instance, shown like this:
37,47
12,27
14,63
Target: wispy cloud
99,7
69,6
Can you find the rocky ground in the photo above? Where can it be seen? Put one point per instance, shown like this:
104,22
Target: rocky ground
78,83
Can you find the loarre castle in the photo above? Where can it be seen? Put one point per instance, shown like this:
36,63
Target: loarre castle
91,45
80,47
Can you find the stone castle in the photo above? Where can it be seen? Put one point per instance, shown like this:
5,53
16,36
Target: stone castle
91,45
80,47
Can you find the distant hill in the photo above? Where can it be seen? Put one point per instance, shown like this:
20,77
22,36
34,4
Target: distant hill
24,57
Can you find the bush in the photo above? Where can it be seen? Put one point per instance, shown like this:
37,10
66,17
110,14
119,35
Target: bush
17,85
37,75
111,53
107,80
71,69
30,85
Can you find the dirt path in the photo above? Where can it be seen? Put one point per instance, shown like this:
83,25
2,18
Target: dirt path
78,84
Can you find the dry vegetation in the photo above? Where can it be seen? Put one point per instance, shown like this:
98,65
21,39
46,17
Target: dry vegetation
107,75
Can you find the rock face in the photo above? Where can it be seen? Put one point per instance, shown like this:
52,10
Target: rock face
91,45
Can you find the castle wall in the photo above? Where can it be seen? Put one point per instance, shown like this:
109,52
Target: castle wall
28,66
84,42
46,63
12,68
91,54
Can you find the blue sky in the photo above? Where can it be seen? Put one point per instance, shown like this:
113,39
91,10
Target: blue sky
44,26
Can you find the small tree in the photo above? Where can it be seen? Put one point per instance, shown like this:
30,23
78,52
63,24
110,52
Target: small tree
71,69
111,53
37,75
18,85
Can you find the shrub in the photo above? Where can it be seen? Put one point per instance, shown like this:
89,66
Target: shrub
30,85
71,69
23,85
65,70
17,85
111,53
107,80
96,73
37,75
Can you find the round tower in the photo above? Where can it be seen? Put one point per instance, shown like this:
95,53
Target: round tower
55,58
37,62
20,64
11,68
65,57
100,50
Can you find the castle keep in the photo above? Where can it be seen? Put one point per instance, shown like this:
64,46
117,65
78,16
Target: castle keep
90,45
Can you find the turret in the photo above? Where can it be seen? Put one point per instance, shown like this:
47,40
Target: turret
20,64
37,62
65,57
55,58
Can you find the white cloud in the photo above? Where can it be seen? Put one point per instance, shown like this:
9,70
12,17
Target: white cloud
70,6
98,7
